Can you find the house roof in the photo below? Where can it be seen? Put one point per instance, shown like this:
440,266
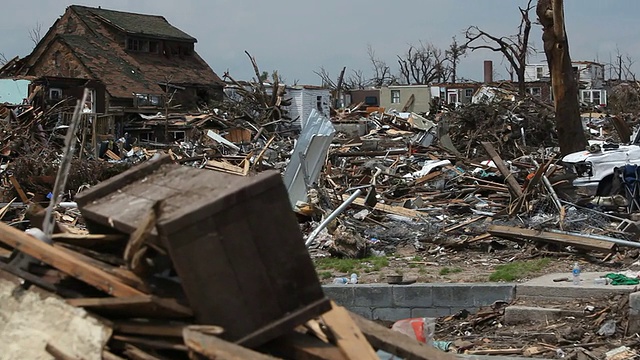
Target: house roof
125,73
138,24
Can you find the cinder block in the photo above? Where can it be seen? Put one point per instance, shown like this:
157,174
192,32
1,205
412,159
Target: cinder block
430,312
487,294
391,314
415,295
452,295
363,311
342,294
373,295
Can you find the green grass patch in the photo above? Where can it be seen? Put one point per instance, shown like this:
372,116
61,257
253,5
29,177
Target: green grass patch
352,265
447,270
325,275
518,269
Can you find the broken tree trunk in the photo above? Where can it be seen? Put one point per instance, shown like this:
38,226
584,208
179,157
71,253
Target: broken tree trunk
571,136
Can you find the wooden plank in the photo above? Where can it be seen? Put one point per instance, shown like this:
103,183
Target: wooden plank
304,347
390,209
65,262
347,335
121,180
215,348
428,177
147,306
288,321
512,183
576,240
151,343
18,188
135,353
107,355
464,223
4,209
149,328
135,249
396,343
58,353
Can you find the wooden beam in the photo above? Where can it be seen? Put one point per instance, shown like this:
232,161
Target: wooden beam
215,348
148,328
512,183
347,335
390,209
304,347
18,188
396,343
576,240
135,353
146,306
58,353
65,262
151,343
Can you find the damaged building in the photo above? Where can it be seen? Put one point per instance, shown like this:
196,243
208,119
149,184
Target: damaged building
133,64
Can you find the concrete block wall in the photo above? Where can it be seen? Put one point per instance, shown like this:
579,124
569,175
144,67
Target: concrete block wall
395,302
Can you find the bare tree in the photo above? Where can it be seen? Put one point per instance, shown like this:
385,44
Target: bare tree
356,80
35,34
381,71
514,48
454,54
423,64
3,59
571,136
326,79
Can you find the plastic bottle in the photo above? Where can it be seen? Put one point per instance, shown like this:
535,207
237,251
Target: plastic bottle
340,280
576,274
354,279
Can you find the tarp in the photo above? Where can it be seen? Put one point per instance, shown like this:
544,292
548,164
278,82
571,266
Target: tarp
13,91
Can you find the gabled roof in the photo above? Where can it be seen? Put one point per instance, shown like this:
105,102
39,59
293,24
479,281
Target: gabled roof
125,73
136,24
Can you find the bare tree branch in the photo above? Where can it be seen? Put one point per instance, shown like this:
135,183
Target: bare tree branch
514,48
381,71
423,64
35,34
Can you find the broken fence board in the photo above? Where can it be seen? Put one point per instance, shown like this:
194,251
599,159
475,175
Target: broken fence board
512,183
65,262
578,241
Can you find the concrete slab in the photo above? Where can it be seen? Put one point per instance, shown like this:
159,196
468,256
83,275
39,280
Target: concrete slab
545,287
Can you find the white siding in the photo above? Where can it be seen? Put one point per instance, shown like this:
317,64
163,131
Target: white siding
304,100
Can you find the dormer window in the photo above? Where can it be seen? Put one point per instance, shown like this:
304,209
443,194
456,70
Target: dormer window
141,45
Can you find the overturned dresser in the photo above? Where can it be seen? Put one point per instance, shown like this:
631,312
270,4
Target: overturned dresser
233,241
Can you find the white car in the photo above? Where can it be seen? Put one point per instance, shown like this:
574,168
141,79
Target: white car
594,169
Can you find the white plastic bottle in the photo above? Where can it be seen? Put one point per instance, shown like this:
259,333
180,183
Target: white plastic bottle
576,274
354,279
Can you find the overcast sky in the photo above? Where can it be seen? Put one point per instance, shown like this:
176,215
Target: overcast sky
298,37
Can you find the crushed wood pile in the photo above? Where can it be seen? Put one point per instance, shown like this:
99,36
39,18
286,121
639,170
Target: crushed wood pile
160,251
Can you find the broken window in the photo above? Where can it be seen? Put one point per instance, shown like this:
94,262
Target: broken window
371,101
148,100
539,72
55,94
395,96
177,135
319,103
596,97
534,91
468,93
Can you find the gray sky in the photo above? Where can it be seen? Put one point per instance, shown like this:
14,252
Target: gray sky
297,37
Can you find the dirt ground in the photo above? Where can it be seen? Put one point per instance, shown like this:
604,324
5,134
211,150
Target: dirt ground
472,264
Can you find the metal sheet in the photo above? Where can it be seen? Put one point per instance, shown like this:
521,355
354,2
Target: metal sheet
308,156
13,91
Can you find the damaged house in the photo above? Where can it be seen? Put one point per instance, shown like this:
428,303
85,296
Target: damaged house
133,63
